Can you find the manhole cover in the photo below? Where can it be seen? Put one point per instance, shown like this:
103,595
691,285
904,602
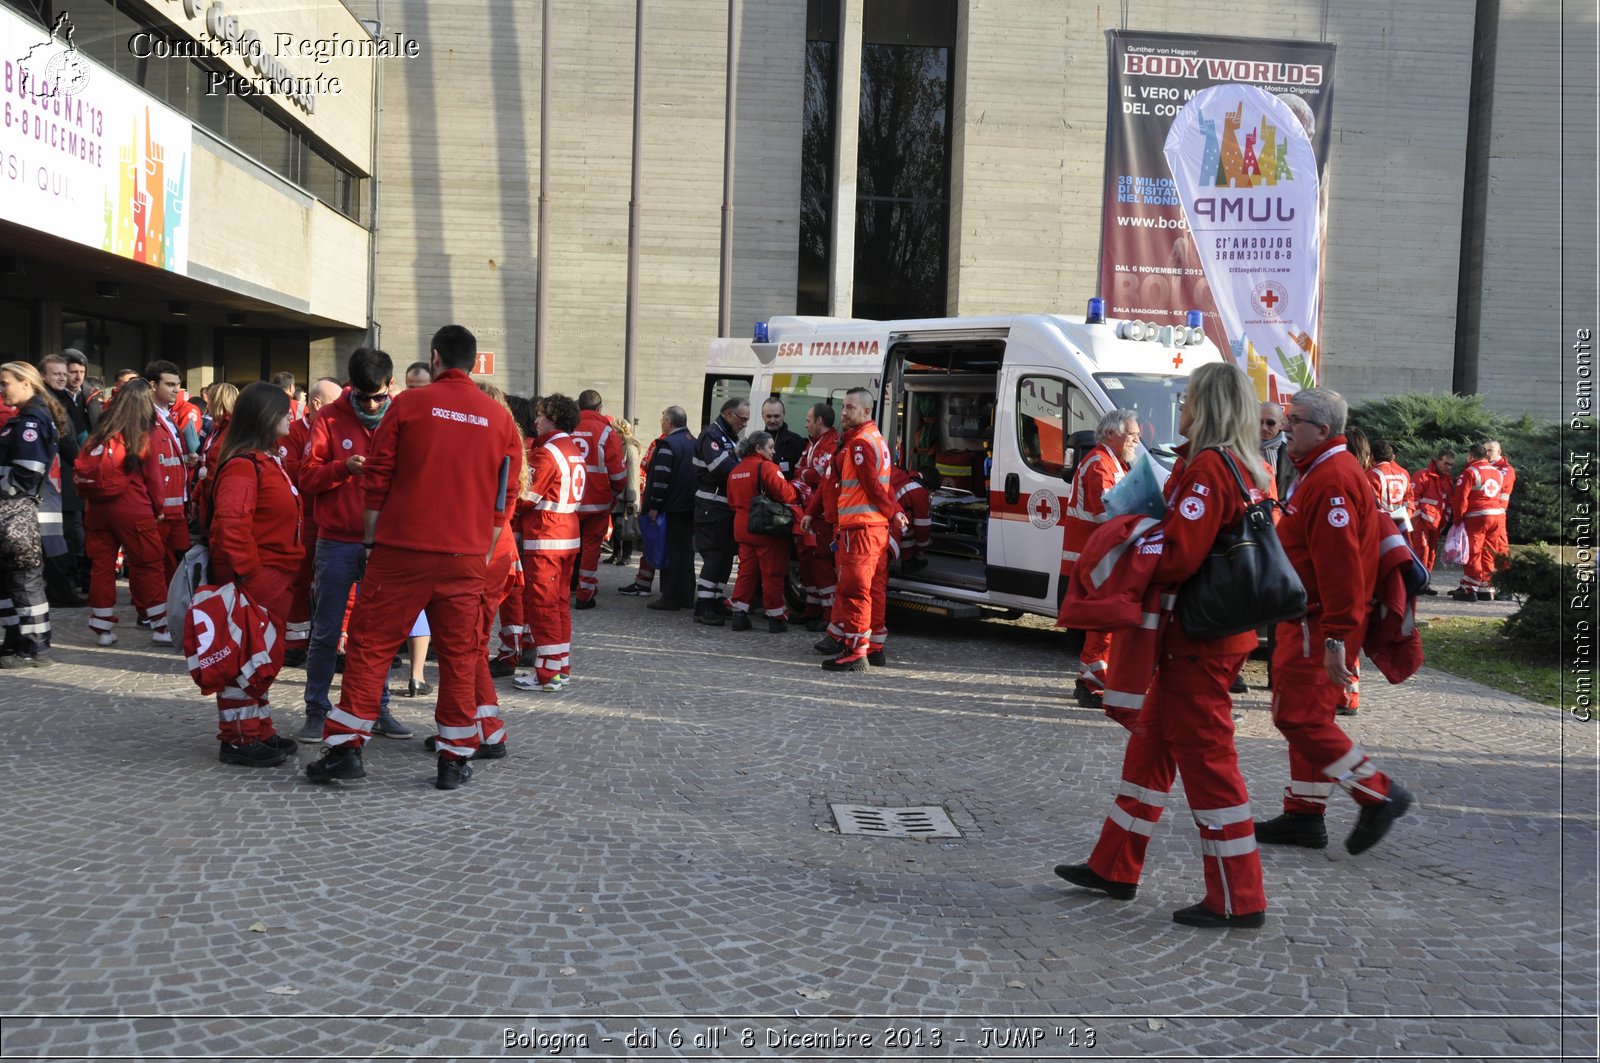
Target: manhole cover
918,821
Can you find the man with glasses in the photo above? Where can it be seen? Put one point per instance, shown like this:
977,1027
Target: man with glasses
330,481
1330,533
1275,446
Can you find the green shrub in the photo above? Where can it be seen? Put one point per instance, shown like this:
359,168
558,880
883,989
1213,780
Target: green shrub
1418,424
1538,578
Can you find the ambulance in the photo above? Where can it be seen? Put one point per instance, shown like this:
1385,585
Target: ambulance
991,412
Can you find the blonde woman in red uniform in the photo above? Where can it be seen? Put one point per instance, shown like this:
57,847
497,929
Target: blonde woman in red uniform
255,544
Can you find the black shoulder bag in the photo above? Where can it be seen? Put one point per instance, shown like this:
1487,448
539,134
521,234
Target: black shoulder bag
1246,581
768,516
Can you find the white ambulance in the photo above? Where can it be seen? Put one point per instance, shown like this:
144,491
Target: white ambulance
992,412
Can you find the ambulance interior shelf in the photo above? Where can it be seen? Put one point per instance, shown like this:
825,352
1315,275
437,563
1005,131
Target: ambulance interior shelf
950,431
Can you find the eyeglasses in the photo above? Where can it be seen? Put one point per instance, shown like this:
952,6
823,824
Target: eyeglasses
1183,400
370,400
1269,423
1293,420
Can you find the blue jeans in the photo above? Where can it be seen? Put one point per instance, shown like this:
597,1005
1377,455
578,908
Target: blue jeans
335,573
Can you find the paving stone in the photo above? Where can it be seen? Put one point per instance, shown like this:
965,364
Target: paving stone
656,831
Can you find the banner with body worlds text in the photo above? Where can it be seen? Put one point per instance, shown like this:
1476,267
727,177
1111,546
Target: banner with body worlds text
86,156
1248,182
1150,268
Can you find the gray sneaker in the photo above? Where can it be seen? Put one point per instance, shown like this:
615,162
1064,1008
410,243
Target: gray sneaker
312,731
389,727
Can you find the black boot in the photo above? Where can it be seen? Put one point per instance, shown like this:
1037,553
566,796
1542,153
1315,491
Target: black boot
1304,829
777,625
1201,916
342,762
829,645
453,773
251,754
1082,875
1376,820
741,621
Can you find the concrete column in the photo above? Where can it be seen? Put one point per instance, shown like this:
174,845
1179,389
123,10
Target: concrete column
842,268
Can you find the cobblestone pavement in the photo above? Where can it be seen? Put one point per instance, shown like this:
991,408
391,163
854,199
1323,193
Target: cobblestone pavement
657,858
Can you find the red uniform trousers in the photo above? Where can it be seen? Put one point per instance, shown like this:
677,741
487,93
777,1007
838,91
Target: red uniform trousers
512,626
1094,659
592,531
1186,726
1303,700
135,533
1425,541
767,565
297,631
817,573
174,533
548,575
1487,541
241,718
497,581
399,584
863,566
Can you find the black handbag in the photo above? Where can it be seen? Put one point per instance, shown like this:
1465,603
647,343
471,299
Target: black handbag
768,516
1246,581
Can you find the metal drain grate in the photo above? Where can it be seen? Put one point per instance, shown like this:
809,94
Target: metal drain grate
918,821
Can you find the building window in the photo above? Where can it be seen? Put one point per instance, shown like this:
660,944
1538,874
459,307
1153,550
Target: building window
817,146
903,161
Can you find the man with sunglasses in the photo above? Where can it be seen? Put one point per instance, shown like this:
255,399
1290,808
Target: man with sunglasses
1275,445
330,482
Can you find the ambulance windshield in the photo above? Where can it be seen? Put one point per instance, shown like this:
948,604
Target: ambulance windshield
1154,398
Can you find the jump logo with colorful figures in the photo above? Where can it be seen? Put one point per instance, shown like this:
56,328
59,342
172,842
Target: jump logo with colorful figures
1225,164
144,220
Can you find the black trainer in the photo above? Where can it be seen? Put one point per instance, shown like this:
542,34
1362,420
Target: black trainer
829,645
453,773
1201,916
877,658
501,667
1239,686
251,754
1304,829
777,625
741,621
845,664
283,742
1087,696
1376,820
709,617
497,751
585,603
1082,875
341,762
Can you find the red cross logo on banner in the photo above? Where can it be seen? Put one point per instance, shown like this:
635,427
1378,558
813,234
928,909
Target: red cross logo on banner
1270,298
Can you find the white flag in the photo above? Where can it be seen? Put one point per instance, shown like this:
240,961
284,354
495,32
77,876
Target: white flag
1246,174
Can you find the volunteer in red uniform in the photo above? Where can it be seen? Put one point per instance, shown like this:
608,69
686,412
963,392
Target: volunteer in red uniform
550,541
515,648
1508,475
437,484
292,448
1391,485
1329,530
607,476
125,519
1098,471
865,512
763,559
817,574
1186,723
1433,487
254,537
1479,503
167,446
331,479
913,498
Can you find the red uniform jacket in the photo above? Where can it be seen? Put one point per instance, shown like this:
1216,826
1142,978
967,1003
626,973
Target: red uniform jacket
1330,532
145,484
1391,485
861,464
812,467
556,477
603,461
1508,479
255,519
750,475
915,502
1433,490
326,481
457,447
1098,472
1480,491
165,453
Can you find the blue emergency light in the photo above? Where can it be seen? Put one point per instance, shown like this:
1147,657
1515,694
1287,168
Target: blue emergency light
761,332
1196,319
1097,312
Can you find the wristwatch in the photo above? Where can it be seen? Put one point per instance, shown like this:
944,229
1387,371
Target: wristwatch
1333,644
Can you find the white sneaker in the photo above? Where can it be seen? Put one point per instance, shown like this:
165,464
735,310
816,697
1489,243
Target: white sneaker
107,638
531,682
161,638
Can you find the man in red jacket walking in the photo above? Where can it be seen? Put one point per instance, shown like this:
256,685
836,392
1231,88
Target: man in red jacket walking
606,478
1330,532
429,534
1479,502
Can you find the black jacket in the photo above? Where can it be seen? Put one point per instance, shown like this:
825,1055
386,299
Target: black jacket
790,448
670,484
716,453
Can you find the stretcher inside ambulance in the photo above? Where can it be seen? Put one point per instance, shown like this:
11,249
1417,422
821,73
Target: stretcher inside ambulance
991,413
